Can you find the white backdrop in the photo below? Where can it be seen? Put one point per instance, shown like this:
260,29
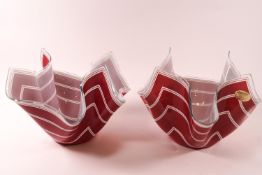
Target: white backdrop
139,32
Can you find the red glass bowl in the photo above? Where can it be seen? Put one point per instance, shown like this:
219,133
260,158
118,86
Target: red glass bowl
70,109
198,113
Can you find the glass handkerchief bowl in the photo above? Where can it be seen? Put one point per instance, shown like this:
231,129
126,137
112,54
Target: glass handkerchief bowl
69,108
198,113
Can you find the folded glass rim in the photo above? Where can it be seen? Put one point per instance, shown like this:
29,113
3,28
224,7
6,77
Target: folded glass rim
98,66
166,68
195,112
71,109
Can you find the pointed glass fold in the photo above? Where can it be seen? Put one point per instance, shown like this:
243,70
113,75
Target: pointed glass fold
198,113
71,109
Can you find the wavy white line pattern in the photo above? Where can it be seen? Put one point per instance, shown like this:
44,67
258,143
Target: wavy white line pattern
102,94
56,104
168,100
